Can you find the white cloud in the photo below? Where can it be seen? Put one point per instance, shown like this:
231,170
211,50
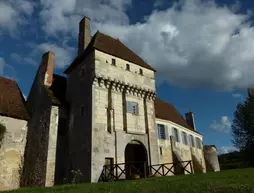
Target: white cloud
16,57
23,60
226,149
195,45
192,46
223,126
63,16
63,55
237,95
158,3
2,64
14,13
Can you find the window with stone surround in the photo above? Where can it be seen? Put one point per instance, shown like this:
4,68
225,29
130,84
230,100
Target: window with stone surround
113,62
198,143
132,107
192,143
128,67
140,71
184,138
162,131
176,135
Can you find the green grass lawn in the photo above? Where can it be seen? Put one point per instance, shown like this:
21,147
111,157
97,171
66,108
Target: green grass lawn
238,181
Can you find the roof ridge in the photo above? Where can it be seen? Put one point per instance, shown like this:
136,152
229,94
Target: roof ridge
8,79
106,35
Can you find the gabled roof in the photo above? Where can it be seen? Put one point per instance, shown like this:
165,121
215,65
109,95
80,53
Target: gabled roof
57,90
12,102
110,46
167,111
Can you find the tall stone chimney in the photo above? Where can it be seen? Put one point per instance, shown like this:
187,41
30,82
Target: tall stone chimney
47,65
190,120
84,34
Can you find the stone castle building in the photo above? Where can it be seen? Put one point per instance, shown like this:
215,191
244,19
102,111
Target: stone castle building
104,111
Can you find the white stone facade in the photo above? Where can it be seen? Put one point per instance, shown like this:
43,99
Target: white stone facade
12,152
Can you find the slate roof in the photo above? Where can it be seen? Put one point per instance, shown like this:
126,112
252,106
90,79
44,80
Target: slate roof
167,111
57,90
109,45
12,102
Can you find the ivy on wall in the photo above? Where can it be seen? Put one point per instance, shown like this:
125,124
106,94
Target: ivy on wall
2,132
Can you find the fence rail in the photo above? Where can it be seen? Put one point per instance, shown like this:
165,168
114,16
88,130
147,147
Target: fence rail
129,170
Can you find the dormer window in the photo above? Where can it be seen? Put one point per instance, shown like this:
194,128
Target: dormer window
140,71
127,67
113,62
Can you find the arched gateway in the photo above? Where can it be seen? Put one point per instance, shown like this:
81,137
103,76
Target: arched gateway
136,160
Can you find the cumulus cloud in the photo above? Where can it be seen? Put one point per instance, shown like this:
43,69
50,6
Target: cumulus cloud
14,13
62,16
22,60
237,95
226,149
192,43
223,126
158,3
63,54
200,44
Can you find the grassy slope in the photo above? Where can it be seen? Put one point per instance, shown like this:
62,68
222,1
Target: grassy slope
238,181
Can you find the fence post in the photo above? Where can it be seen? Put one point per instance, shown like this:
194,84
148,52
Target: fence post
191,166
116,171
163,170
145,169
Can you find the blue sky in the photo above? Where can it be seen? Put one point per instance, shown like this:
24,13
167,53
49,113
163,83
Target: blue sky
203,50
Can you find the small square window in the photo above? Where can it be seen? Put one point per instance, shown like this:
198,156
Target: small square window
127,67
161,152
132,107
140,71
113,62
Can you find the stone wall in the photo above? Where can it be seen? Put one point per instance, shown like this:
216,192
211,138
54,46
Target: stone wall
113,128
37,143
171,148
39,162
79,96
211,159
12,152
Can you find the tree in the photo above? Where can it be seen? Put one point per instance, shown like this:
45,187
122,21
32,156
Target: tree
243,128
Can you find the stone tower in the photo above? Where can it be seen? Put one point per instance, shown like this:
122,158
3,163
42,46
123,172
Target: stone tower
111,92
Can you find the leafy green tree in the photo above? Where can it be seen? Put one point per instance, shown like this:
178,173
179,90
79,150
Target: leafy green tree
243,128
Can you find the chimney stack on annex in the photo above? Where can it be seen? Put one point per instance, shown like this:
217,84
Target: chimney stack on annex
84,34
190,120
48,65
